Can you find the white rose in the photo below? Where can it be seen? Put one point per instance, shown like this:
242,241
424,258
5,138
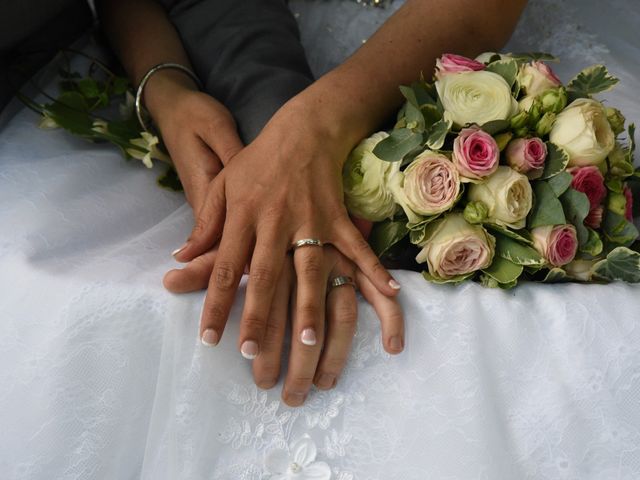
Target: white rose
536,77
476,97
366,179
454,247
583,130
508,196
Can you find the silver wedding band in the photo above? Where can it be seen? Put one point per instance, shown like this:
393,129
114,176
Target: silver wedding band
342,280
307,242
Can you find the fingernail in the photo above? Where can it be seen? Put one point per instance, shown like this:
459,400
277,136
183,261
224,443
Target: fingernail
308,336
209,337
393,284
249,349
295,399
326,380
178,250
395,343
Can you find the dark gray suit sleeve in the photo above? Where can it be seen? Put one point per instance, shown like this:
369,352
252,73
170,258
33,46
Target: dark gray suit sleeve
247,52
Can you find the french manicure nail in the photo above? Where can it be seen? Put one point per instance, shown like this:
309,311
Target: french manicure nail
393,284
249,349
178,250
326,380
308,336
209,337
395,343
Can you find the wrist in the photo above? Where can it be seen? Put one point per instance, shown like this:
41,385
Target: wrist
163,90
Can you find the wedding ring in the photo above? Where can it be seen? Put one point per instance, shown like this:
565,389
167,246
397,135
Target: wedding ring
307,242
342,280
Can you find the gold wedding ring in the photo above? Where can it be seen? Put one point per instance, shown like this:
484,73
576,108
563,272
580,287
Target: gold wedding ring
342,280
307,242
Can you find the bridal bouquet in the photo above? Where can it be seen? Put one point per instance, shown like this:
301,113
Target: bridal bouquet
496,171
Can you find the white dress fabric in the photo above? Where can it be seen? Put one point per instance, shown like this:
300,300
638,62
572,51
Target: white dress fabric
102,375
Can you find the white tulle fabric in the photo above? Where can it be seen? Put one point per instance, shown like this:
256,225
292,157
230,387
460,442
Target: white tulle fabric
102,375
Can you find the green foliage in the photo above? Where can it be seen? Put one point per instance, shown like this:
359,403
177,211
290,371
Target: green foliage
399,143
556,275
621,264
560,183
556,162
506,68
527,57
576,208
517,253
503,271
547,209
385,235
618,230
438,133
591,80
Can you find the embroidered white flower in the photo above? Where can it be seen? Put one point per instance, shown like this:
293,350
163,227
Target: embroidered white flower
298,462
148,149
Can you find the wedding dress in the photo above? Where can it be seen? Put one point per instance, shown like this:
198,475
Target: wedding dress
102,375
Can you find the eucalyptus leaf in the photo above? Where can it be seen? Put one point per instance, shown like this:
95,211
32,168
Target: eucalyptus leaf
438,134
517,253
556,162
507,68
591,80
410,95
621,264
560,183
431,115
414,118
386,234
576,208
400,142
547,209
425,93
503,271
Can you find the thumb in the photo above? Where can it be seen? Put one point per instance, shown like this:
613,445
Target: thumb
222,137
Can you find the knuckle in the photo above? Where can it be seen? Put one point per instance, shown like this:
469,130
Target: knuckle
361,246
253,321
262,278
225,276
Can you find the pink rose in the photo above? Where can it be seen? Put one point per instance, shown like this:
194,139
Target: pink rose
475,154
557,244
536,77
589,181
450,63
527,156
594,219
629,206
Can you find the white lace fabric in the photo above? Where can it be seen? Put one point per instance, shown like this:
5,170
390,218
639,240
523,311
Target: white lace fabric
102,375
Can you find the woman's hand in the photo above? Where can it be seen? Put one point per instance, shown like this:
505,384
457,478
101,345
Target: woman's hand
322,363
198,131
283,187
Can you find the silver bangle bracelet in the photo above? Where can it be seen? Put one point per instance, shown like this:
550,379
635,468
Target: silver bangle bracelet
145,79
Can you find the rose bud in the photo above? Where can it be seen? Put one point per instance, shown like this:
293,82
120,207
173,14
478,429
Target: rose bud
583,131
454,247
475,154
521,120
589,181
536,77
527,156
553,100
616,120
475,212
628,211
545,124
430,185
580,270
594,217
557,244
365,181
450,63
508,196
476,97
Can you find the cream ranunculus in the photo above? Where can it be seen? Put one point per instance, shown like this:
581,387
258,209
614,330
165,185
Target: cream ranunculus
583,130
508,196
453,247
366,180
429,185
476,97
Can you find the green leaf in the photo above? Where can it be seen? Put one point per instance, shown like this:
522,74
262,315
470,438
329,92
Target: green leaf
503,271
89,88
547,209
576,208
438,133
454,280
386,234
632,142
431,115
556,275
170,180
496,126
425,93
527,57
410,95
517,253
560,183
619,230
506,68
556,162
615,184
521,236
418,231
593,246
397,145
120,85
621,264
71,112
591,80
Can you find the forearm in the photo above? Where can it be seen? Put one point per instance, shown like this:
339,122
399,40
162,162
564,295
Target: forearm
142,36
359,95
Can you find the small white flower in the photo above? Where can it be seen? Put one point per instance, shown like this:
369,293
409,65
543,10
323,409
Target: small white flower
47,123
298,462
100,126
148,144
